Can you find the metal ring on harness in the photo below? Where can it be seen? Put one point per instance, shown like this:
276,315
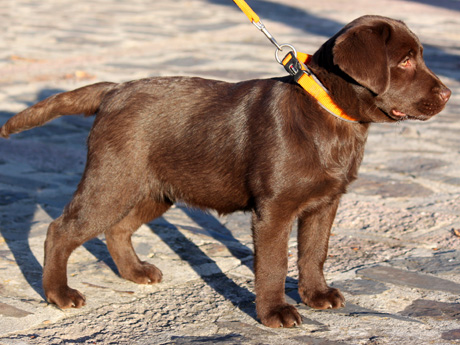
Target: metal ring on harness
279,50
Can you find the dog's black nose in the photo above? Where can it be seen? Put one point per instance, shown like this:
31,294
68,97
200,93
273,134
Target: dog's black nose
445,94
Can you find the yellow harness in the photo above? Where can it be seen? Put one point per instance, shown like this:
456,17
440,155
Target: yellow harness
296,64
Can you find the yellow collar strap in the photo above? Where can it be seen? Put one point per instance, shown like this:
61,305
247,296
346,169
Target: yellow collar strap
297,67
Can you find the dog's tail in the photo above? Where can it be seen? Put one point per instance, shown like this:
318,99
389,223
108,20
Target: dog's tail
85,100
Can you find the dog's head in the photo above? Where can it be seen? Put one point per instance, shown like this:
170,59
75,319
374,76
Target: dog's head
383,59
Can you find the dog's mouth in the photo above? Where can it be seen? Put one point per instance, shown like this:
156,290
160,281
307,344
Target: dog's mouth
396,115
424,110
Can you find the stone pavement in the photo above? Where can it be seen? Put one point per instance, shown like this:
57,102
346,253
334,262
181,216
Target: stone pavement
395,245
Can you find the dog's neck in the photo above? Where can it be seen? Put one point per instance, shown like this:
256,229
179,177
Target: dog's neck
352,97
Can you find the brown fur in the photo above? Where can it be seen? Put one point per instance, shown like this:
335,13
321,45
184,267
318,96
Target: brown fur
263,146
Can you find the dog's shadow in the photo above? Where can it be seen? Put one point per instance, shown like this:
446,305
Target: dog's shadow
191,253
196,258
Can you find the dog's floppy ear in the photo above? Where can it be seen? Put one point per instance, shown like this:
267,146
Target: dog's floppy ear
360,51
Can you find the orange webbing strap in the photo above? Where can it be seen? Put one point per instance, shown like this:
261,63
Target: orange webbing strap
253,17
312,87
303,58
305,78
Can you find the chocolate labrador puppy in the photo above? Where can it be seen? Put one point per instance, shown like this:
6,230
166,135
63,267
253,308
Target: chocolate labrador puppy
264,146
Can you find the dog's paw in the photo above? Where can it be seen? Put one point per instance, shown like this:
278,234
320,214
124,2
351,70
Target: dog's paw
143,273
284,315
65,298
330,299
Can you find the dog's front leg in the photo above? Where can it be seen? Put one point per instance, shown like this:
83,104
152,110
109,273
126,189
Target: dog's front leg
271,234
313,238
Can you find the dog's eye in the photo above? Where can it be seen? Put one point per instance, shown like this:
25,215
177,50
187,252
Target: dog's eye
406,63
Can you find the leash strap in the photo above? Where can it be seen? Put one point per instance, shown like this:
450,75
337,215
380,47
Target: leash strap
254,18
295,64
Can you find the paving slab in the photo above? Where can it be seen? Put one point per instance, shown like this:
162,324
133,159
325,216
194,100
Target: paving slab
412,279
394,251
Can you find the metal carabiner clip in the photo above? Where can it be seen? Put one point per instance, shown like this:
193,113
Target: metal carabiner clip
259,25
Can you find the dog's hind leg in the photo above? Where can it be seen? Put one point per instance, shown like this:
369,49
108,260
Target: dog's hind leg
101,201
119,243
59,245
65,234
